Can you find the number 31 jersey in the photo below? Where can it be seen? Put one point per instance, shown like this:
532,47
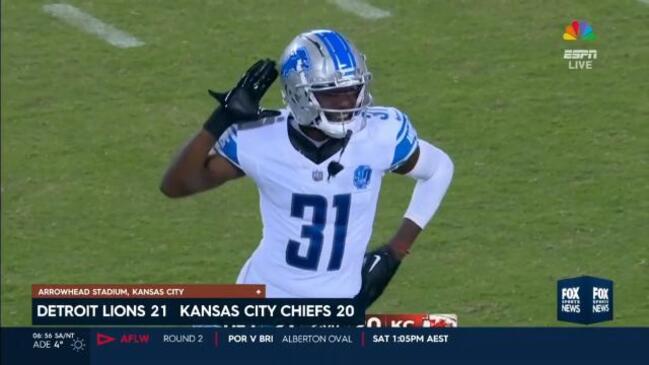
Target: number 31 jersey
316,227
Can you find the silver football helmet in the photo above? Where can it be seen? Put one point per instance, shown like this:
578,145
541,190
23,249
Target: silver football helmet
317,65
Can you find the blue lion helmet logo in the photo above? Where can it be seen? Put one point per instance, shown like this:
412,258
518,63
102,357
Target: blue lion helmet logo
298,60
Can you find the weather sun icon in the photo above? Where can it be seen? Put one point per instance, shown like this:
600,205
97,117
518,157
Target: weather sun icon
78,344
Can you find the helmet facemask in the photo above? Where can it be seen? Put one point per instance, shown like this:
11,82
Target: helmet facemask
340,109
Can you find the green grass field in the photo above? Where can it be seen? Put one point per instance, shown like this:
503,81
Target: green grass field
551,179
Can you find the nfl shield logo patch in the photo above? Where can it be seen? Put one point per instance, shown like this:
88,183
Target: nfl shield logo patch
317,175
362,176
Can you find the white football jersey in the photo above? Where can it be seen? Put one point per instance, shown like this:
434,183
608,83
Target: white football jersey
316,228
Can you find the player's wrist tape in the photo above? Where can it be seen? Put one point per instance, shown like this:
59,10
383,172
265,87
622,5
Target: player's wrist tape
218,122
399,251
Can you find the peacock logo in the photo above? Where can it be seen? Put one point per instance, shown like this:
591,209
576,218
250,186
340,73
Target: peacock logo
579,30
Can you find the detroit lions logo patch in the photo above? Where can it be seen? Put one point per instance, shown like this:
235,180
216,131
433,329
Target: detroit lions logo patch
297,61
362,176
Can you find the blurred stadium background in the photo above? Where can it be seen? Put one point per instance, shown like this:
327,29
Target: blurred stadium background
551,164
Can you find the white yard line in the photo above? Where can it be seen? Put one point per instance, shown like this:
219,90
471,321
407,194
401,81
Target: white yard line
92,25
646,2
361,8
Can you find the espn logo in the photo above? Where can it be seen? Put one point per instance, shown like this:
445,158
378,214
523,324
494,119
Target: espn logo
422,320
580,54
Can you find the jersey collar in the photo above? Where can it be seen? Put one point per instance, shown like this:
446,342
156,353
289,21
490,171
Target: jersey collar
312,152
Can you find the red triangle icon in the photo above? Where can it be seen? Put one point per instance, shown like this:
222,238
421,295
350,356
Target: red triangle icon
103,339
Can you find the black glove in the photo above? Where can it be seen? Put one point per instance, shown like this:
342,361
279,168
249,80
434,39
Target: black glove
379,267
241,104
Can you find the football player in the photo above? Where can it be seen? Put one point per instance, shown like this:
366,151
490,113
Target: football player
318,166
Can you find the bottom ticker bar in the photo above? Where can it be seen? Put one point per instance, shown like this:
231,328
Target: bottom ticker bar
209,345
